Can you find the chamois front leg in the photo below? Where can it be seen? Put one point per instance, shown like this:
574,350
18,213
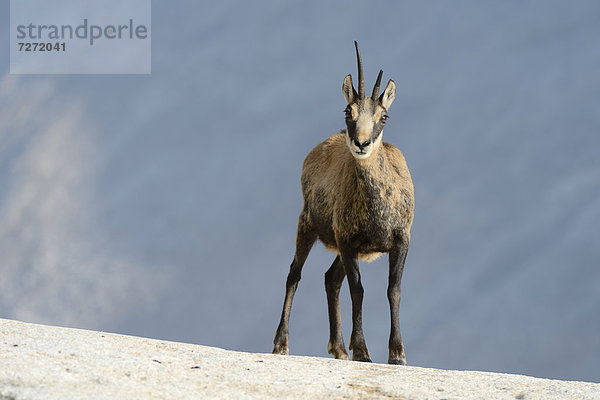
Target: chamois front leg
397,258
333,281
304,242
357,339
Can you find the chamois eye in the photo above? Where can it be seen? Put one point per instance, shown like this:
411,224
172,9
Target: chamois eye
347,113
384,118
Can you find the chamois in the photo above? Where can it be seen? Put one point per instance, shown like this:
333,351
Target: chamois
358,201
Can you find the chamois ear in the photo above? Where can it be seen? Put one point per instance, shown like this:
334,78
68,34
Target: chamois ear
389,94
348,90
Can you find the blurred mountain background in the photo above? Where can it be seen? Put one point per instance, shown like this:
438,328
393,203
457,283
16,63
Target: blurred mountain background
165,205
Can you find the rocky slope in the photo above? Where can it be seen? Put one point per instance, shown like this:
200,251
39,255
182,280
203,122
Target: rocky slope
46,362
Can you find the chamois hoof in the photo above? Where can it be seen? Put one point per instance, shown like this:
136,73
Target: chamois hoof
339,354
361,356
397,357
282,350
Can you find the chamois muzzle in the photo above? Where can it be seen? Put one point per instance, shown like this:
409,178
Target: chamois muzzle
362,145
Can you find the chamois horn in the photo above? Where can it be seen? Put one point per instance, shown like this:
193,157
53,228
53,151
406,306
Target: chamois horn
376,87
361,79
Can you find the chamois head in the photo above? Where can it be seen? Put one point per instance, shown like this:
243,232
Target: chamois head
365,116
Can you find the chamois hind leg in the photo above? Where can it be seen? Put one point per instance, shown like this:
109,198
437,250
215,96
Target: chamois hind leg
333,281
304,242
397,259
357,339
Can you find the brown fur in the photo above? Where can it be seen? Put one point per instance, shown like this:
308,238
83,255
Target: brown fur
345,197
